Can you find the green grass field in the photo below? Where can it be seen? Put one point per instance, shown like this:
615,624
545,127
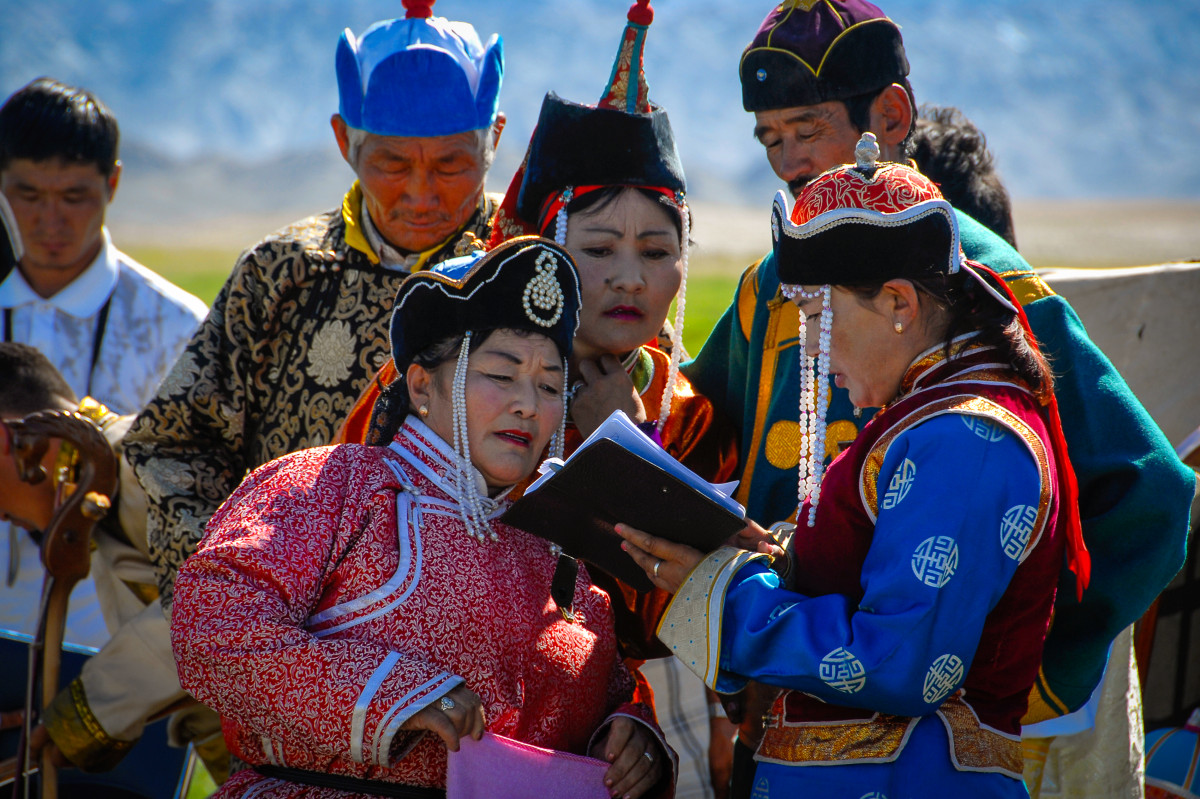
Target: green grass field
711,281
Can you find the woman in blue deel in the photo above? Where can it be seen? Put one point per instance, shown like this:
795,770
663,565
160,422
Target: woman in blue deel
905,620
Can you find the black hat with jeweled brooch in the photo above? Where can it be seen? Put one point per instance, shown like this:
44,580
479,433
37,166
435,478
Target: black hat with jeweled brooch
527,283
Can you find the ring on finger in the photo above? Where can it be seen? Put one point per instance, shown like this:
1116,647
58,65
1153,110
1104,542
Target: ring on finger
446,703
657,563
648,756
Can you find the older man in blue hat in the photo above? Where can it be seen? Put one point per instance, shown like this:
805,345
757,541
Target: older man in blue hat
818,74
300,327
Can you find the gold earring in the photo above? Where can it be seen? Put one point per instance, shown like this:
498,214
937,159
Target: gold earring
899,327
423,411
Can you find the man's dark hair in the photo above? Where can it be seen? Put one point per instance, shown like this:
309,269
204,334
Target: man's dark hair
48,119
953,153
858,109
31,383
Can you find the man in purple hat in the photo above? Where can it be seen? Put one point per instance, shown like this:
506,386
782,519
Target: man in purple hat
300,327
818,74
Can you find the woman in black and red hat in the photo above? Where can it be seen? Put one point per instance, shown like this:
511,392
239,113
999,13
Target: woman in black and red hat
606,182
354,612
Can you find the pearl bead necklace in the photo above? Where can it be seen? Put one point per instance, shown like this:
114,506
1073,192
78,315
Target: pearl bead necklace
559,439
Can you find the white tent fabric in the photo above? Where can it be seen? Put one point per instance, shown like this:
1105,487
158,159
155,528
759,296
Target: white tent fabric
1146,319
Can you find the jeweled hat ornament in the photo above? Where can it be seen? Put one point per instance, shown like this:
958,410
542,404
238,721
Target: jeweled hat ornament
419,76
527,283
857,223
623,140
850,214
808,52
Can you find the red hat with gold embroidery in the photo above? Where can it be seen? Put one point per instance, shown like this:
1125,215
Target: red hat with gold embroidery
869,222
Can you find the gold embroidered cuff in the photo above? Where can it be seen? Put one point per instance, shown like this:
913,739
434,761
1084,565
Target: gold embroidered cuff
78,734
691,627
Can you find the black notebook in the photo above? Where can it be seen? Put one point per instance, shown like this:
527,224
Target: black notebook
619,475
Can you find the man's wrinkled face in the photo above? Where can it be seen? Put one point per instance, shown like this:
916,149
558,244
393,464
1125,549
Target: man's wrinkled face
421,190
804,141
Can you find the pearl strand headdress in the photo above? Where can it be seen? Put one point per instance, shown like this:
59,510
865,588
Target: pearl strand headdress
470,506
814,400
685,214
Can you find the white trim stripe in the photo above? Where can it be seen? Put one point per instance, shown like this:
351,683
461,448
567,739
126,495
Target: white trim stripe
269,750
358,719
401,711
261,787
408,569
714,609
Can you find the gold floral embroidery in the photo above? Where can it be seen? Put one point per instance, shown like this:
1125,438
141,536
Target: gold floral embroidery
879,738
331,353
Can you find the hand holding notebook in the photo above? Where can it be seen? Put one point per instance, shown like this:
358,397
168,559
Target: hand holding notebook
619,475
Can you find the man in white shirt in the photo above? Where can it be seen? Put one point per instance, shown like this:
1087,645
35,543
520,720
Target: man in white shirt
111,326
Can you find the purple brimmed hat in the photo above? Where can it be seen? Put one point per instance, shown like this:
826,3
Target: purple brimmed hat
808,52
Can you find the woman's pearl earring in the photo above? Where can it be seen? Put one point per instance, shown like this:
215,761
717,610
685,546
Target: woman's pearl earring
423,411
899,327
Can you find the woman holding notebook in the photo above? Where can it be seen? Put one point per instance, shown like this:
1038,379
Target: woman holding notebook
355,612
905,622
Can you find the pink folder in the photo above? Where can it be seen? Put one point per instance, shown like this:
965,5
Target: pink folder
496,767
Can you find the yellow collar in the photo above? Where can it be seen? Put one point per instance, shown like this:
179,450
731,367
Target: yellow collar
356,234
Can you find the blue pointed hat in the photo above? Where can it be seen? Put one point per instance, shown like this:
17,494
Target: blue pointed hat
419,76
